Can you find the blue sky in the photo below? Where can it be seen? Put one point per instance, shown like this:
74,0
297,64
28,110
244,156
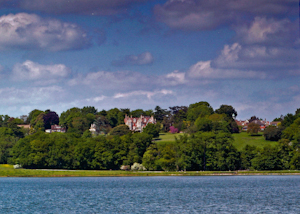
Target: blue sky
58,54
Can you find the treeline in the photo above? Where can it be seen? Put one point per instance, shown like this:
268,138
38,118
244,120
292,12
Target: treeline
206,145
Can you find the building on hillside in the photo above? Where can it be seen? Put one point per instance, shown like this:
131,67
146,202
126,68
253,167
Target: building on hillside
56,128
275,123
93,128
262,123
137,124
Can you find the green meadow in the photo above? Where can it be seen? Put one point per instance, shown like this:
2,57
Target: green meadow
242,139
167,137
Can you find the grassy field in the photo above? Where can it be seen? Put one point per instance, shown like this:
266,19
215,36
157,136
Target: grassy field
167,137
242,139
9,171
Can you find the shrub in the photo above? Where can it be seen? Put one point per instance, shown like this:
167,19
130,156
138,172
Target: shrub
138,167
173,130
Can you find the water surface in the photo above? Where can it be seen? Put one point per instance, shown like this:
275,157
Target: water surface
201,194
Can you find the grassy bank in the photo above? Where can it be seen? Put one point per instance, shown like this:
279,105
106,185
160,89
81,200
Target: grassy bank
242,139
9,171
167,137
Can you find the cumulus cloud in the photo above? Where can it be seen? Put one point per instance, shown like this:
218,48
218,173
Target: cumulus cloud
29,31
29,70
174,78
207,15
269,31
87,7
145,58
204,70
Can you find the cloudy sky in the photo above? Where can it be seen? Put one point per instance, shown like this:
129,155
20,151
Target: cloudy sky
58,54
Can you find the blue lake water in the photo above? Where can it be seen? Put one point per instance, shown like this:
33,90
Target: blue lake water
205,194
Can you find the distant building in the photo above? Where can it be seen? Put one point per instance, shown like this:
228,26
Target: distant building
93,128
262,123
56,128
138,123
275,123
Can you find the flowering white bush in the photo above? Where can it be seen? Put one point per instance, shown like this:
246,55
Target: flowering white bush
138,167
17,166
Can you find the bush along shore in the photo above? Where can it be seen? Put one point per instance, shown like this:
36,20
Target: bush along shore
207,144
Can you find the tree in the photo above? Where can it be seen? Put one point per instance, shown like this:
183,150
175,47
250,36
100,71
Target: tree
112,116
66,117
32,115
50,118
89,110
228,110
267,159
288,120
204,124
120,130
160,113
137,113
151,129
102,124
200,109
253,128
247,154
273,133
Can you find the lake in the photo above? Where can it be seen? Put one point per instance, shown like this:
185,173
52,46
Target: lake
201,194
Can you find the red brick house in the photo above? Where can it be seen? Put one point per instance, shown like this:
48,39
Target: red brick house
138,123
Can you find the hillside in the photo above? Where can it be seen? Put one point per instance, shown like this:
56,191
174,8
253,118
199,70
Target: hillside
240,139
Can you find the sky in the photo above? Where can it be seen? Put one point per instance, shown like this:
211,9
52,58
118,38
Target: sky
59,54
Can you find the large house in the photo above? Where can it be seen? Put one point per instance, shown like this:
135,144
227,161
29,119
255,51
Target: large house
56,128
138,123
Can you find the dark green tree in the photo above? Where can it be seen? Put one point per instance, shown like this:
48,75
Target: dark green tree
120,130
151,129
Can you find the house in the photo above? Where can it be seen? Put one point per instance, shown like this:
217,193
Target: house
93,128
56,128
138,123
275,123
244,124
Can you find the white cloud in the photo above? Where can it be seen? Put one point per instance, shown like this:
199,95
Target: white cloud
148,94
29,31
145,58
174,78
207,15
269,31
204,70
270,59
96,99
29,70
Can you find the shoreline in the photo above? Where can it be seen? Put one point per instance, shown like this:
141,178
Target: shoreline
8,172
